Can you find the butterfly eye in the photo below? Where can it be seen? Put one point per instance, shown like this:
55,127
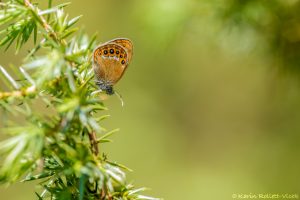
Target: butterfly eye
121,56
123,62
105,52
111,51
117,52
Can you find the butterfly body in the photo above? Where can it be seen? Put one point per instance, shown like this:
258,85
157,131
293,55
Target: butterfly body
110,61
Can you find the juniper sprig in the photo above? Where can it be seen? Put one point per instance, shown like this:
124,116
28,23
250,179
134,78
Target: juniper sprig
52,115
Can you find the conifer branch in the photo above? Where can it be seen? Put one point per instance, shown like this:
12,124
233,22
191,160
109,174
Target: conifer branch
59,147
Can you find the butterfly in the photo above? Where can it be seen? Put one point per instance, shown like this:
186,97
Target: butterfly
110,60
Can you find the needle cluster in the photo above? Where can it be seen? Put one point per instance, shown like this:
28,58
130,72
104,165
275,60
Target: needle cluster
50,110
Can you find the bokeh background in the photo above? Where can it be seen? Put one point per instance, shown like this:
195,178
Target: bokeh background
212,96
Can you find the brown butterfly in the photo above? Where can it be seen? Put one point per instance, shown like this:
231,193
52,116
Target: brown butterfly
110,61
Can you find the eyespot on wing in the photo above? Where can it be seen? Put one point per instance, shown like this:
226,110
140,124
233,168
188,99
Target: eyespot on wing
126,43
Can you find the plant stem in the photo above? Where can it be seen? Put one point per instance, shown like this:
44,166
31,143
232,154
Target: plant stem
44,23
93,142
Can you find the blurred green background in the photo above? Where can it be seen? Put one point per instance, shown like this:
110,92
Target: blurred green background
212,96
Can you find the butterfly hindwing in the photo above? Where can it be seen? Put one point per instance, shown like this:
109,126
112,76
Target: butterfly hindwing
126,43
110,62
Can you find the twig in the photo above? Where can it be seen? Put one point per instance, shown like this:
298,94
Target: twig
93,141
18,93
44,23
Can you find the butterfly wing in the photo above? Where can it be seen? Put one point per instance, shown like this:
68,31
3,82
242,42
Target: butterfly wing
126,43
110,61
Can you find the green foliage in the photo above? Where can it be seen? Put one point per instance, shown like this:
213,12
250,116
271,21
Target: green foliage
58,141
274,23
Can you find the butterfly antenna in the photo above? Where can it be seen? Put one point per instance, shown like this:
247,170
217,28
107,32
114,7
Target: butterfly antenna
120,98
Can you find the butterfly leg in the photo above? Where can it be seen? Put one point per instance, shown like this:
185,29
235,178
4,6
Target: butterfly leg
97,91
